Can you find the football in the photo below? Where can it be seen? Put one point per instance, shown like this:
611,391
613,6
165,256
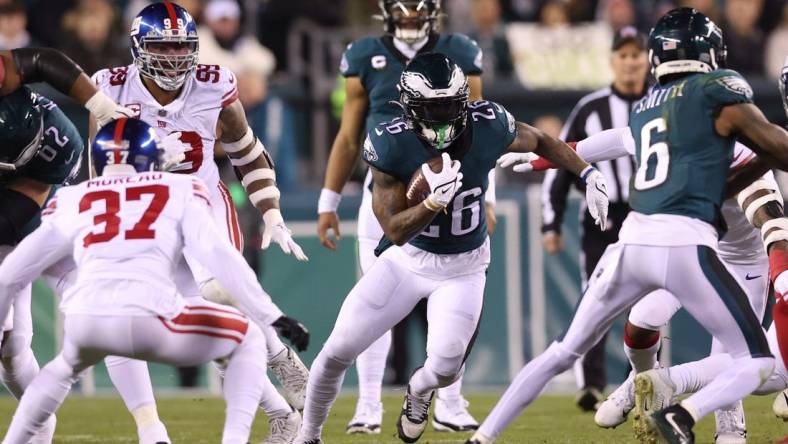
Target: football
418,188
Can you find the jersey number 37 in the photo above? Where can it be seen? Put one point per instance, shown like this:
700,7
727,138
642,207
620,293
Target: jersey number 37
111,220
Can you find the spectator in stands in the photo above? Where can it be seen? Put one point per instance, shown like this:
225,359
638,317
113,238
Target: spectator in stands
89,36
744,40
707,7
13,24
618,13
489,33
777,46
554,13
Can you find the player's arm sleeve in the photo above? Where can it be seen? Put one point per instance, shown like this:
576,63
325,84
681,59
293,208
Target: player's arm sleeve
46,65
467,54
606,145
40,249
215,253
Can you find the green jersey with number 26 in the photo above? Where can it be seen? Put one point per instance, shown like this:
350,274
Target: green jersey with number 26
395,150
682,163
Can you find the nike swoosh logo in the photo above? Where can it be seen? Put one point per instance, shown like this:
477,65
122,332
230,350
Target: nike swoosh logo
602,190
672,422
749,278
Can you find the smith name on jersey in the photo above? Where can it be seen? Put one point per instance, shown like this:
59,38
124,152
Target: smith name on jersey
195,113
395,150
58,158
682,161
378,63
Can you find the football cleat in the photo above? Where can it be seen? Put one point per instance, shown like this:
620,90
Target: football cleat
653,391
155,433
453,416
478,438
780,405
367,419
731,428
588,399
673,425
310,441
613,411
292,374
284,429
413,418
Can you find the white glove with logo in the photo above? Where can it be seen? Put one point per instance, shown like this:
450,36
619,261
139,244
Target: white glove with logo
275,230
596,195
521,161
105,109
174,150
444,184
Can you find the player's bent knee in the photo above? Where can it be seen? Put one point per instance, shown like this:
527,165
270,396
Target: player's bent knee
15,344
561,357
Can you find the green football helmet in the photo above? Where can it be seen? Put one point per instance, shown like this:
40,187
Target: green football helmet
22,123
685,41
434,97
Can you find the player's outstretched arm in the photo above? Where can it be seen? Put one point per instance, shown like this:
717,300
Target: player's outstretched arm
748,122
30,65
344,154
399,223
256,168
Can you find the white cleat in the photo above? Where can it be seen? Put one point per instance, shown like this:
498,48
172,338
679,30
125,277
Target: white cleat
478,438
413,418
284,429
780,406
731,428
293,375
613,411
453,416
653,391
155,433
367,419
46,433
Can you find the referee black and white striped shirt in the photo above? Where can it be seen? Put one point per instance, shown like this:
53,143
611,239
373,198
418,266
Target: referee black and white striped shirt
601,110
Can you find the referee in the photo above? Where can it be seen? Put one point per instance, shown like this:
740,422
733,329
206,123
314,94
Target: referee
603,109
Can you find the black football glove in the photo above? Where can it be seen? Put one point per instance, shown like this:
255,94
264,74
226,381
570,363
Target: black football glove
293,331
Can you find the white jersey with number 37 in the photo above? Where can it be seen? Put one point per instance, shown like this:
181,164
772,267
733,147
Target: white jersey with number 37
195,112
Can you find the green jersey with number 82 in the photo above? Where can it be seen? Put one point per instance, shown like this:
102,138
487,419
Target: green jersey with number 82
682,163
395,150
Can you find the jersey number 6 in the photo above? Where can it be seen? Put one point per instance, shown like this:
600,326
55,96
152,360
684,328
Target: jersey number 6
111,220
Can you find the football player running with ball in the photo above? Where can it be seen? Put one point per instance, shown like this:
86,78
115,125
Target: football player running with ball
684,133
435,245
372,67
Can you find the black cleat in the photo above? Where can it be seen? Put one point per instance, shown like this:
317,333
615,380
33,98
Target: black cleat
588,399
673,424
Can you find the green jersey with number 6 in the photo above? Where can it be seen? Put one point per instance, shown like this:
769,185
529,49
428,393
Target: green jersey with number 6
58,158
682,163
392,148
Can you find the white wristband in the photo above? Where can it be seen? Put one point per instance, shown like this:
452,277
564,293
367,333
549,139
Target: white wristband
258,174
251,156
271,192
329,201
101,106
238,145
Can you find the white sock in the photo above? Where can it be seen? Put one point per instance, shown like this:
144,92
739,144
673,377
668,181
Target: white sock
451,392
41,399
18,371
642,359
325,381
273,343
693,376
740,379
371,365
244,380
272,402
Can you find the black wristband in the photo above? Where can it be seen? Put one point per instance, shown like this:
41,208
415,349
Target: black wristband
46,65
16,210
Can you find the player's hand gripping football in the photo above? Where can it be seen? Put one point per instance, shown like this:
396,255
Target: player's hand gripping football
521,161
596,195
293,331
105,109
276,230
174,151
443,184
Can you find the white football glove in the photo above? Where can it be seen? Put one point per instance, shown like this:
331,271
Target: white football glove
521,161
275,230
596,195
444,184
174,150
105,109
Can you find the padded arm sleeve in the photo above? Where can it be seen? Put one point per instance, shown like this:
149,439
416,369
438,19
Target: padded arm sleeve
46,65
226,264
606,145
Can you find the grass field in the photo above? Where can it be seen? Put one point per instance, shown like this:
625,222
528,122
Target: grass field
552,419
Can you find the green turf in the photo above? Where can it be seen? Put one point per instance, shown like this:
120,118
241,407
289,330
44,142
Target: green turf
552,419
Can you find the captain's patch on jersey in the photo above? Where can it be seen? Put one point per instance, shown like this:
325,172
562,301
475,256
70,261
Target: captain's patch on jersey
369,151
379,62
736,85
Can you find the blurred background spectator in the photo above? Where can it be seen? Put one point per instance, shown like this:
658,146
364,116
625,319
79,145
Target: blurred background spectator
489,33
13,24
777,45
744,39
222,41
91,36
